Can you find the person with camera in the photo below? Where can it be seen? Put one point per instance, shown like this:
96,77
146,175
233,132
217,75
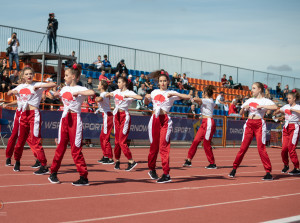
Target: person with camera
121,66
52,28
12,51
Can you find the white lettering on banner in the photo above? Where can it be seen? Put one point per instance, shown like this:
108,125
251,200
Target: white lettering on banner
181,129
139,128
236,131
51,125
91,126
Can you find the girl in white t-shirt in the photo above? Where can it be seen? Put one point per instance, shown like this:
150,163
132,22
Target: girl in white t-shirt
255,126
70,126
104,107
206,130
30,95
122,120
290,132
160,125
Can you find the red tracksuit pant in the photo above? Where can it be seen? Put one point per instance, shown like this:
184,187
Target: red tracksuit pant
159,134
257,128
122,122
290,137
14,136
30,126
105,134
205,133
70,129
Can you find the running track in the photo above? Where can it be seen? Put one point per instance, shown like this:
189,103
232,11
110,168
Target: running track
195,194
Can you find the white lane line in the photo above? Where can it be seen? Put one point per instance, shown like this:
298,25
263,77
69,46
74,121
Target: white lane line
285,220
144,192
183,208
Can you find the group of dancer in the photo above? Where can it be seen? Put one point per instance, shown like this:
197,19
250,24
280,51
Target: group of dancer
27,125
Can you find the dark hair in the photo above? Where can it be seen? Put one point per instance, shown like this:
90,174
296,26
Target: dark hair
221,92
124,79
260,86
295,94
104,84
6,70
159,73
209,90
75,70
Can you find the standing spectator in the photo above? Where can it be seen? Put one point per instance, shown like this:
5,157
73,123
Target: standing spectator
99,64
285,92
14,79
89,84
103,77
136,84
3,64
121,66
224,81
192,112
130,83
5,81
14,44
52,29
106,64
141,92
70,62
278,89
220,100
142,79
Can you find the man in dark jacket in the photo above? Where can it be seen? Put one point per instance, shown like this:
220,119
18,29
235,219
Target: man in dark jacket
122,67
52,29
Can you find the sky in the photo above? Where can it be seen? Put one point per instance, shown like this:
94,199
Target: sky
258,34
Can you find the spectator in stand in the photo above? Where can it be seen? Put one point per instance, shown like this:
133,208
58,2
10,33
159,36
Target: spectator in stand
147,81
136,84
233,109
106,64
3,65
225,82
48,97
99,64
189,101
285,92
175,80
267,94
150,89
238,102
121,66
220,100
91,103
123,74
89,84
269,115
246,98
113,82
14,44
70,62
185,83
14,79
278,89
141,92
142,79
103,77
5,81
192,112
130,84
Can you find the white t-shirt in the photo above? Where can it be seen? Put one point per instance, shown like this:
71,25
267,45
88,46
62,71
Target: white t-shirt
207,107
98,64
70,102
253,102
291,116
104,106
27,95
120,101
14,46
218,99
160,100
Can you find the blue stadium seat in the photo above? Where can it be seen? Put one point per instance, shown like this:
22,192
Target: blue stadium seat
172,109
176,109
131,72
137,73
85,66
81,64
180,102
185,92
147,73
200,94
215,112
89,74
84,72
180,109
198,110
186,109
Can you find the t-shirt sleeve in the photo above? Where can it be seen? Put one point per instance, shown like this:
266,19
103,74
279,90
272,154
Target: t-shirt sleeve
246,103
115,92
283,108
269,102
18,88
102,95
130,93
174,98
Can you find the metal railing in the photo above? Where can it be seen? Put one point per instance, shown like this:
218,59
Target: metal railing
87,52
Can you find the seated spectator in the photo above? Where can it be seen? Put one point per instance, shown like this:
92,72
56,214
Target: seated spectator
14,79
220,100
224,81
141,92
267,94
103,77
121,66
234,85
238,102
85,106
136,84
175,80
49,98
5,83
185,83
192,112
142,79
278,89
285,92
89,84
91,102
147,81
150,89
3,64
99,64
70,62
106,64
123,74
233,110
130,83
246,98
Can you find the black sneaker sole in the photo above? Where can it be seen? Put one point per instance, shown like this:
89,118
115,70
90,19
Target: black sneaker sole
16,170
231,176
53,182
211,168
167,181
131,167
80,184
284,172
185,165
40,173
294,174
267,179
152,177
35,167
8,165
108,163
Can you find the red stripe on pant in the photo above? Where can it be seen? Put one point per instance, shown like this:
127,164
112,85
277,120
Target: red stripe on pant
122,122
30,127
107,126
257,128
290,135
70,130
205,133
160,130
14,136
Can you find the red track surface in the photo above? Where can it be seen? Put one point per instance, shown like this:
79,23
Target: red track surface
195,194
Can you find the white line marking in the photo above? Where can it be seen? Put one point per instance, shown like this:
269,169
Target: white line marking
183,208
285,220
143,192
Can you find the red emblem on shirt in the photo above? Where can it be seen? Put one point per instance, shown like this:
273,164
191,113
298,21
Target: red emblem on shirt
25,94
253,104
159,98
67,98
288,112
118,99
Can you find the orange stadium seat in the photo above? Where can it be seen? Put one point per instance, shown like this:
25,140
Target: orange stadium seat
7,98
37,77
1,95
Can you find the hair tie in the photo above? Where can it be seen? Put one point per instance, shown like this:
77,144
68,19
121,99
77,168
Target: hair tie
265,86
75,66
27,66
294,90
